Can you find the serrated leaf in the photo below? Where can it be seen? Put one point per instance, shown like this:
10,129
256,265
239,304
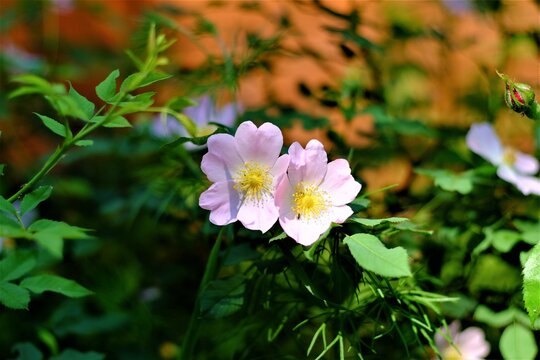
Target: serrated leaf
51,242
107,88
60,228
16,265
13,296
41,283
33,199
518,343
86,106
370,253
53,125
531,283
7,207
26,351
70,354
375,222
221,298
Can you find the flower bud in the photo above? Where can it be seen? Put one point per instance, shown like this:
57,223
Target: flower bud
518,96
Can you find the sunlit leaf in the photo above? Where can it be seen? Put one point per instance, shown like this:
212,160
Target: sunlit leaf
531,283
370,253
107,88
86,106
375,222
518,343
53,125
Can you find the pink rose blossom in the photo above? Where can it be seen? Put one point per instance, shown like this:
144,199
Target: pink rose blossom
469,344
512,166
245,170
315,193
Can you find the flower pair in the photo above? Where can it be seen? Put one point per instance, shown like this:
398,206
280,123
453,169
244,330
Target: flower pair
252,183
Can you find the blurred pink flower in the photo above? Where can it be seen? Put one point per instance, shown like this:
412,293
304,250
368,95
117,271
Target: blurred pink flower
512,166
202,115
245,170
469,344
315,193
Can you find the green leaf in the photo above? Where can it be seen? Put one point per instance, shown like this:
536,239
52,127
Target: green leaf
180,103
493,274
60,228
375,222
446,180
221,298
107,88
16,265
529,231
86,106
13,296
33,199
51,242
518,343
40,283
531,283
85,143
2,166
26,351
500,319
372,255
134,81
70,354
7,207
11,229
504,240
117,122
53,125
137,103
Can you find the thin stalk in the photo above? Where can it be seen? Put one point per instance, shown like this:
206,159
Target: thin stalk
194,323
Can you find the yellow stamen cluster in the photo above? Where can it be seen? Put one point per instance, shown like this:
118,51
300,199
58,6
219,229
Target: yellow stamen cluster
309,202
509,157
253,181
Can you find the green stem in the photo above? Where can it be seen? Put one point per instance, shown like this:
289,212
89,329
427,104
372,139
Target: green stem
194,323
51,162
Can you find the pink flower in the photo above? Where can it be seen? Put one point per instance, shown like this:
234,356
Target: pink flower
245,170
512,166
470,344
315,193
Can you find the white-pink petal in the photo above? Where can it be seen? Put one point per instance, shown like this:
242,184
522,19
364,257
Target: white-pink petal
483,140
340,213
223,202
279,169
472,343
339,183
261,145
309,164
223,146
525,163
258,216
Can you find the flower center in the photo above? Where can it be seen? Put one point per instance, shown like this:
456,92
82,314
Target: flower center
309,201
509,156
451,354
253,181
